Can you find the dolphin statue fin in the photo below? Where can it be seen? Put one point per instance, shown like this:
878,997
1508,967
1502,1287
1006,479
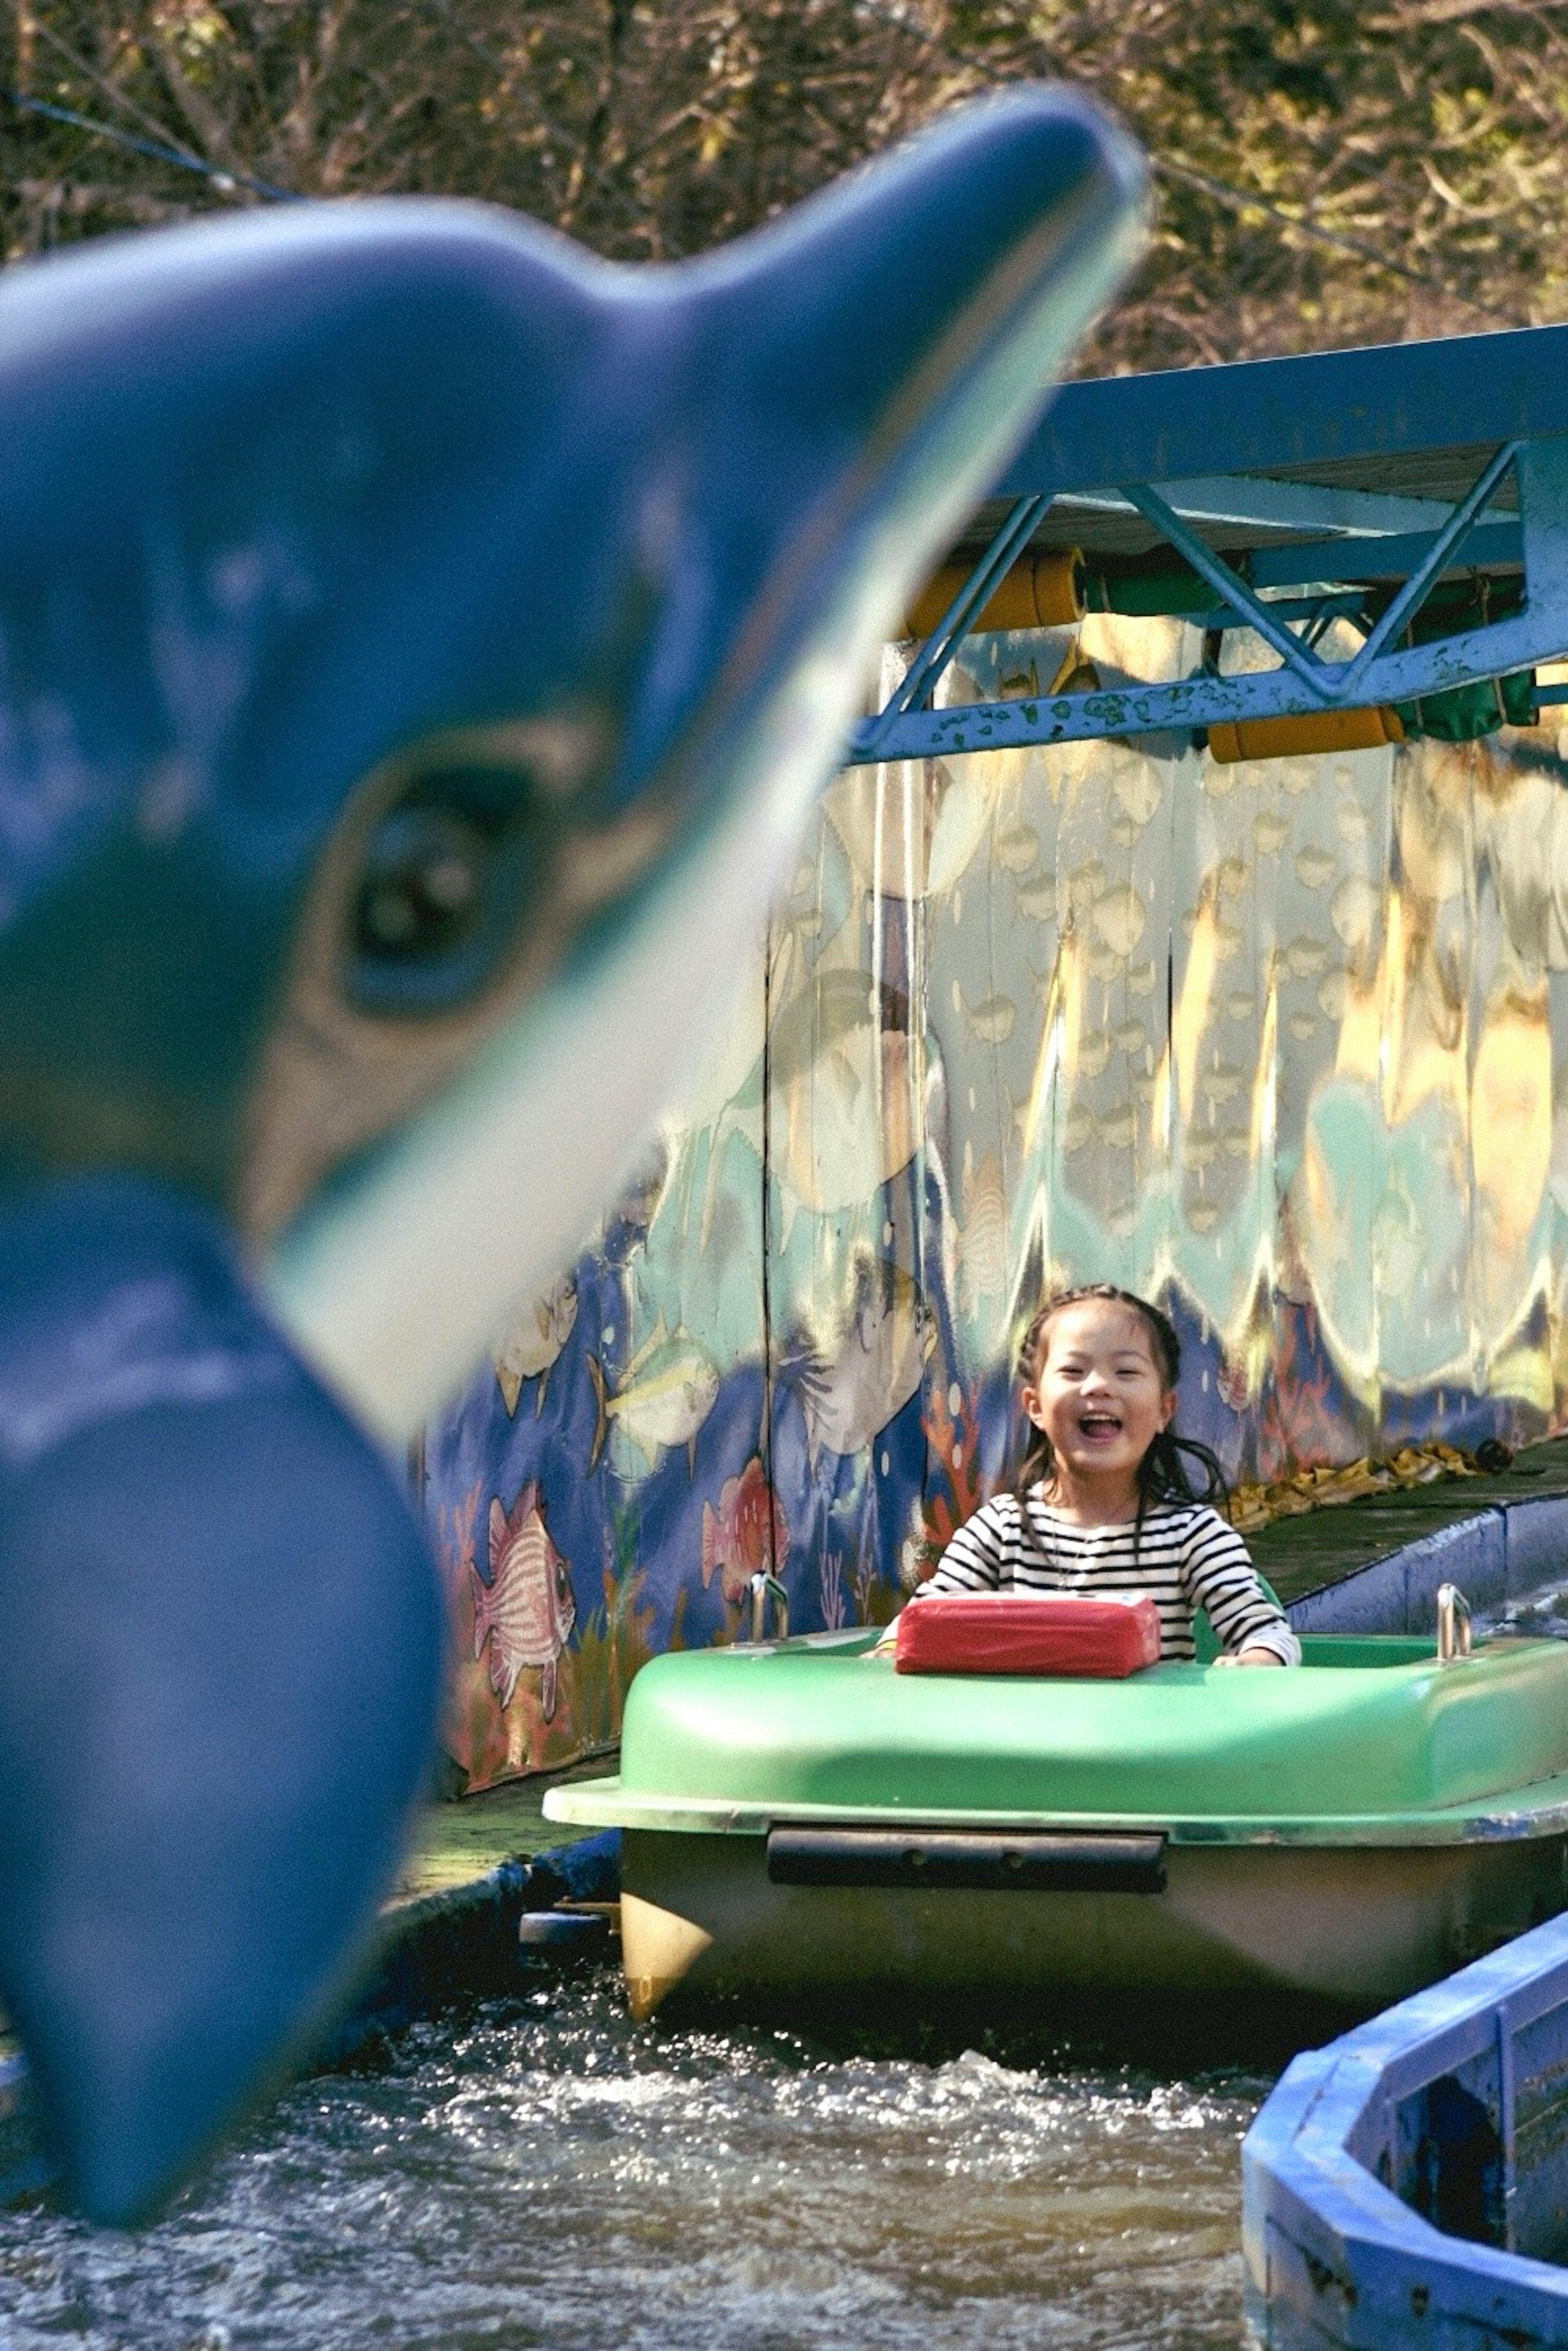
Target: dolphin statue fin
223,1649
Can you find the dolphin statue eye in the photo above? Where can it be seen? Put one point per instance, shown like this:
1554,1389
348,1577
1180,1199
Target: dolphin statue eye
447,874
423,887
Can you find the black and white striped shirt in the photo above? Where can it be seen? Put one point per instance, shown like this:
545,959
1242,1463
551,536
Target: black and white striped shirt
1183,1558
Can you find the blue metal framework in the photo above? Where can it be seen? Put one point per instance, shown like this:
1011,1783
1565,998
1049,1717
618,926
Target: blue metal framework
1326,512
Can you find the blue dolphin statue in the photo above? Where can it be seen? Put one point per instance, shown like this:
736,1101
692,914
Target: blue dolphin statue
419,642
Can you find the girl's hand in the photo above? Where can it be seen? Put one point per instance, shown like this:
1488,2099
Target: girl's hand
1253,1657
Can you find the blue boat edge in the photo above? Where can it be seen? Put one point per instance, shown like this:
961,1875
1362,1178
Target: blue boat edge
1335,2254
1451,2108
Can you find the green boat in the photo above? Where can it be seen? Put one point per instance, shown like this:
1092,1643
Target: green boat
804,1826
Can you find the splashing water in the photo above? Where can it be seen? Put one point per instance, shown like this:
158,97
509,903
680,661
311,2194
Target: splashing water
549,2174
1542,1614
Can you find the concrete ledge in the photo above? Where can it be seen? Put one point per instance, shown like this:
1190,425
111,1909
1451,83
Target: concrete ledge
1399,1594
464,1944
1494,1556
1537,1543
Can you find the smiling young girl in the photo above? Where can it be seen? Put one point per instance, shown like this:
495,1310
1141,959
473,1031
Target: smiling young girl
1104,1504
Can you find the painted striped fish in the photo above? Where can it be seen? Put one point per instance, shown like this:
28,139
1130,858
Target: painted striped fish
527,1610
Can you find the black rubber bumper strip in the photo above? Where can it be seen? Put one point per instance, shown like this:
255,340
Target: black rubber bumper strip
1047,1861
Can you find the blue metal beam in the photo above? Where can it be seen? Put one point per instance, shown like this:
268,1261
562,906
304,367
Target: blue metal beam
1202,700
1411,597
921,677
1394,401
1313,673
1376,674
1492,547
1250,502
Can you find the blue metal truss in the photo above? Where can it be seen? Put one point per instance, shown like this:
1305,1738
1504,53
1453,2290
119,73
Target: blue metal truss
1379,416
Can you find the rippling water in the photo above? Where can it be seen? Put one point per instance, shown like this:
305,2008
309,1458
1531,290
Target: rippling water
550,2174
1543,1613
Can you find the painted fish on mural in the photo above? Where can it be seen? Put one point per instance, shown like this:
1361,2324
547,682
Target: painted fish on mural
1084,885
1118,916
1354,910
851,1389
643,1196
1137,786
533,1340
747,1535
527,1611
668,1392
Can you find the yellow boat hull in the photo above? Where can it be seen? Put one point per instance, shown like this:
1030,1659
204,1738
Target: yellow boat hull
1354,1927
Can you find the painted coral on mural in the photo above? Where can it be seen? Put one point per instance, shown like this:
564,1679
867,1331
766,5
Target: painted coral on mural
1270,1041
747,1534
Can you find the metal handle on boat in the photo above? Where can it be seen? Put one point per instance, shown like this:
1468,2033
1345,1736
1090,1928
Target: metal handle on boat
1453,1623
763,1588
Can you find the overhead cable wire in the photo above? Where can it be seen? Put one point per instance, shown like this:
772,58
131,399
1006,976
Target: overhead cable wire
227,182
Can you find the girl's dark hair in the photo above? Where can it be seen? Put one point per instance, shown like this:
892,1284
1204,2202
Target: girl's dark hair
1162,1473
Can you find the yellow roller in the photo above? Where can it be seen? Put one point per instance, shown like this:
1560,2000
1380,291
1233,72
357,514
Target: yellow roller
1042,590
1313,730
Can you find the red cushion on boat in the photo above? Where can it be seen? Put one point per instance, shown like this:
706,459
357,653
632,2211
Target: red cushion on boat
993,1632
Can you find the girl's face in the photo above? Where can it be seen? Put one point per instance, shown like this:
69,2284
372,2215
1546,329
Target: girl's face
1099,1394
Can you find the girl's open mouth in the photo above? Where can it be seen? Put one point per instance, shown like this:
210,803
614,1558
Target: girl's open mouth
1100,1424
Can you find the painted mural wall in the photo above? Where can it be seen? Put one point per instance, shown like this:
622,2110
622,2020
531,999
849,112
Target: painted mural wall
1284,1044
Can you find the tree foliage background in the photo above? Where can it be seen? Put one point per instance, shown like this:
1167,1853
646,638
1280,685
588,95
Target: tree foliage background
1326,173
